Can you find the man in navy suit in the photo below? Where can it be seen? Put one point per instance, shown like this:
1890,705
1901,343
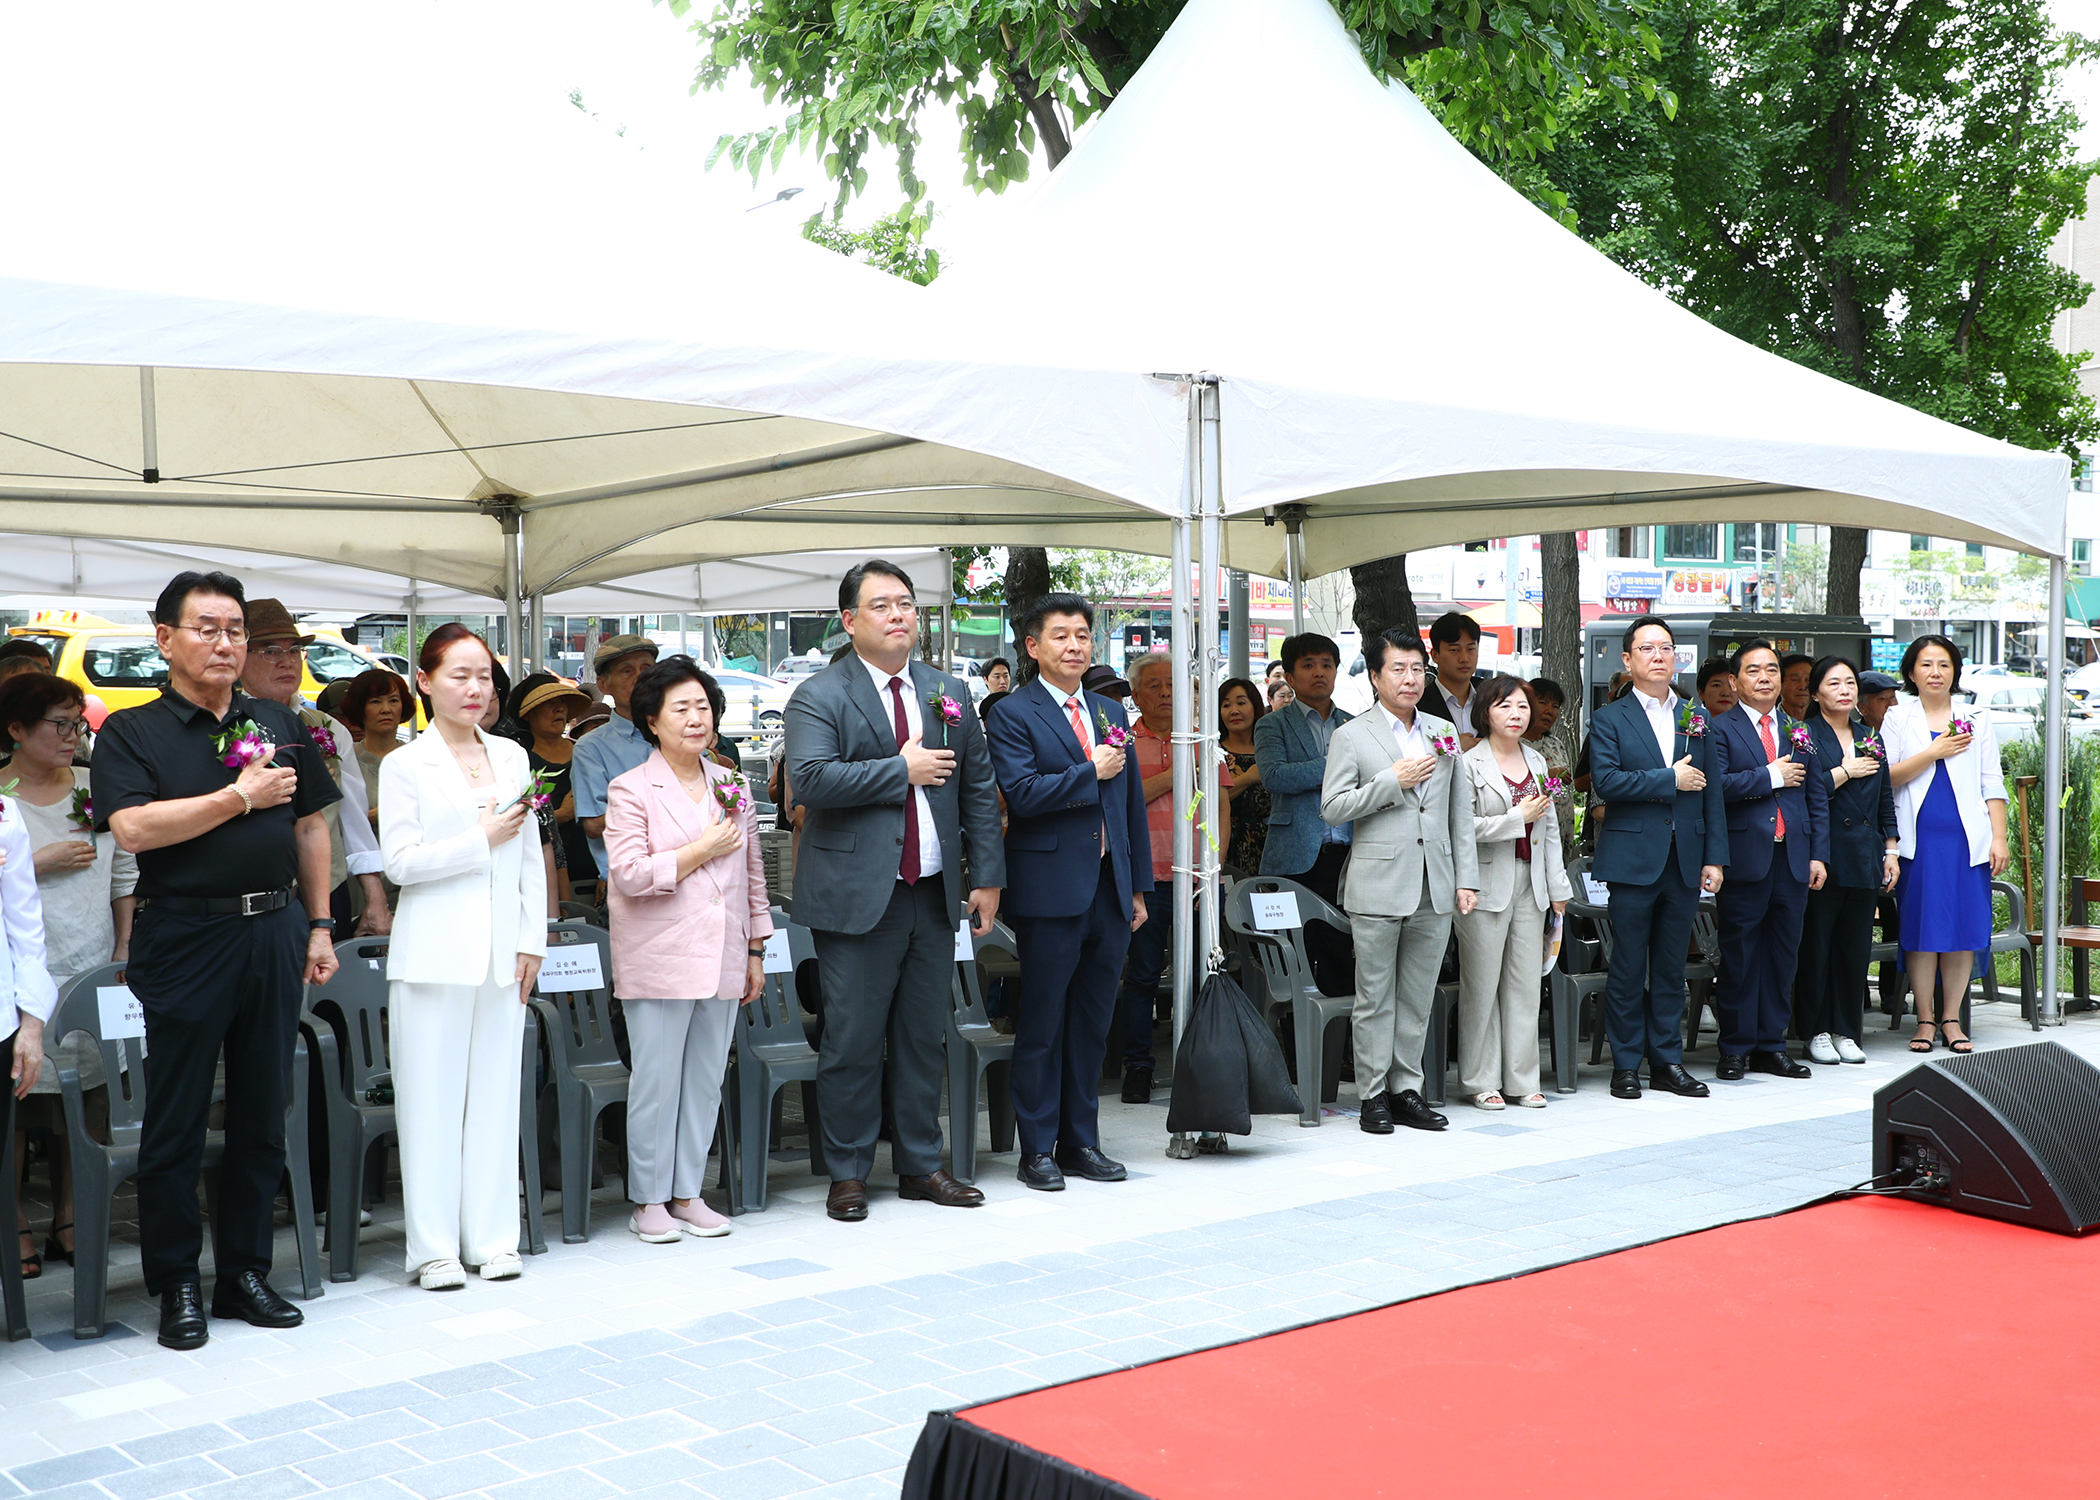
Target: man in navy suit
1652,763
1075,893
1779,844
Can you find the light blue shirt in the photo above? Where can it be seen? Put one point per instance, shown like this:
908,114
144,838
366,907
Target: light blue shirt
1323,734
612,749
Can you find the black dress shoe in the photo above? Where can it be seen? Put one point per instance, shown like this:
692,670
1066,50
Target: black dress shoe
1671,1078
1374,1116
1626,1083
1137,1085
1410,1110
182,1324
1091,1164
1041,1173
1731,1066
1779,1064
250,1298
847,1201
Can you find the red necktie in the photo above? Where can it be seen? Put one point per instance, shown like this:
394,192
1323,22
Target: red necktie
908,866
1086,749
1764,732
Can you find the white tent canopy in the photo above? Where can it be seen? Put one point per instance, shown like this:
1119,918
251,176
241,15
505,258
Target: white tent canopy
100,569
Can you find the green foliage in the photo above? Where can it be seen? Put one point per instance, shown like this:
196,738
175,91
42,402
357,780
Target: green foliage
1022,75
2081,855
893,243
1109,575
1869,189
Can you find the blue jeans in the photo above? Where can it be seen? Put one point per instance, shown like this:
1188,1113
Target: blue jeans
1149,947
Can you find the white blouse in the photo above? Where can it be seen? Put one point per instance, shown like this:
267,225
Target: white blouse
1976,774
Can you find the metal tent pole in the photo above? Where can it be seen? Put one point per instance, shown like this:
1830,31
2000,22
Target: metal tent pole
1236,623
1184,632
1210,500
2052,797
1294,562
948,611
536,634
513,613
408,647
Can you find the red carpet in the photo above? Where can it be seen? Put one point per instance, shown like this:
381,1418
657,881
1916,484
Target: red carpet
1866,1348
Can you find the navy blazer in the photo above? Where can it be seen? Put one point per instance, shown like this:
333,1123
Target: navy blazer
1056,806
1862,813
1755,806
1645,809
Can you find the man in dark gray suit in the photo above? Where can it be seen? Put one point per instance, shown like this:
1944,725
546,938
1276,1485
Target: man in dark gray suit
890,766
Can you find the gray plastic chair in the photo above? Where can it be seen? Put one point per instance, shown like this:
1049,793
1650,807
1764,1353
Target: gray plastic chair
532,1199
100,1168
1577,982
359,1068
589,1077
773,1051
975,1049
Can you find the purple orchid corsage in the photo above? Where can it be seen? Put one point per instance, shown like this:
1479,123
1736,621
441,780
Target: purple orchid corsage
734,796
1444,744
1959,724
241,744
946,708
1690,724
1554,786
324,741
540,790
83,810
1802,740
1115,736
1871,745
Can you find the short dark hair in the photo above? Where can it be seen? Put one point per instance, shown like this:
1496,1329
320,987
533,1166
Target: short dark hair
360,690
1822,667
1312,643
1715,666
22,645
1634,626
167,609
849,586
1451,627
1031,626
1546,690
1274,666
1794,659
1912,651
1254,696
27,696
1387,641
997,661
656,683
1735,662
1498,689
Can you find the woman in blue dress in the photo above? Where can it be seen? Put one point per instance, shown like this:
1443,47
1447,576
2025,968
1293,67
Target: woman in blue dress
1950,816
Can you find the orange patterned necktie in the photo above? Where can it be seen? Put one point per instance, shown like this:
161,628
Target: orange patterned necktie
1764,732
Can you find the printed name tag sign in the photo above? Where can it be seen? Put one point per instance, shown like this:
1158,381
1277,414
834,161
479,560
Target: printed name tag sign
777,959
965,949
570,968
122,1015
1276,912
1597,892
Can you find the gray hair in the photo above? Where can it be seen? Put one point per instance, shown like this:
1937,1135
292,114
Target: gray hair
1135,667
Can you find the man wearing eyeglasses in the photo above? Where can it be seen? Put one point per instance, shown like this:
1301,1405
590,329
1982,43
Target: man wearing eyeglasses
895,780
275,672
1666,841
220,796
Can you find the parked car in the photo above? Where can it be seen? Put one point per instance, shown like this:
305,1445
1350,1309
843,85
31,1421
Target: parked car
795,668
757,704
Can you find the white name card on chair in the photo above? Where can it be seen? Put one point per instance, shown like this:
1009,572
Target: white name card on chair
571,967
1596,891
777,960
965,947
1276,911
122,1015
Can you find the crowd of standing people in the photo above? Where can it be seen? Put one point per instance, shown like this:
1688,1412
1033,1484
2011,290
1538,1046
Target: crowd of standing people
229,832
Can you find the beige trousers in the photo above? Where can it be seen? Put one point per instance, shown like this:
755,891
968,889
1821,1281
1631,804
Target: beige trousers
1500,955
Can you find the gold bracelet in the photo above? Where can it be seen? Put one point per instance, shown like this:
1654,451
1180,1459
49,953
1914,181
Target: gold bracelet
247,806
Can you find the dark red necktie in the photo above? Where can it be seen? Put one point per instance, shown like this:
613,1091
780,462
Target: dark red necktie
908,866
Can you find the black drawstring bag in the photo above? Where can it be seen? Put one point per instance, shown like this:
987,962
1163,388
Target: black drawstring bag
1229,1066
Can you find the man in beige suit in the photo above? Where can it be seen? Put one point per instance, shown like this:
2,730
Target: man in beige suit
1394,773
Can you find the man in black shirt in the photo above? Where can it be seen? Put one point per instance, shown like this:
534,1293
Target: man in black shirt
220,797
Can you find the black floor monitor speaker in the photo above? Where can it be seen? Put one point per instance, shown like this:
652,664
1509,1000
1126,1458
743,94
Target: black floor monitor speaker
2010,1134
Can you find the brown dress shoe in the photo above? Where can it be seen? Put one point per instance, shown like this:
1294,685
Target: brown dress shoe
847,1201
939,1187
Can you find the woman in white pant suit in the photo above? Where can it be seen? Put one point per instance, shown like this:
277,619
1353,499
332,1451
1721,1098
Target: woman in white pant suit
469,934
690,918
1501,942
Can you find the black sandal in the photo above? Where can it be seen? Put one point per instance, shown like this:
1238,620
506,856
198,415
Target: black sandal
1955,1044
1924,1043
32,1263
53,1250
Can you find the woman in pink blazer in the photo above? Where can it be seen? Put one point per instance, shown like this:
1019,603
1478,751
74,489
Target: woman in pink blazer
689,921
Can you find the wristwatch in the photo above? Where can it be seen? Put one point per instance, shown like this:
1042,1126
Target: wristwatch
756,952
315,924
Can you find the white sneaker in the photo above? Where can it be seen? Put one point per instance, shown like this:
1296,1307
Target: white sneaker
504,1267
1849,1049
1822,1048
443,1276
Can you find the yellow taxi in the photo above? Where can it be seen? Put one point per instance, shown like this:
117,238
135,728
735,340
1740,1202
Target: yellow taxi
121,665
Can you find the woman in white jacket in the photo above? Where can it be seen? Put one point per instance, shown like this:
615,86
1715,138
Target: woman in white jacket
1950,821
469,934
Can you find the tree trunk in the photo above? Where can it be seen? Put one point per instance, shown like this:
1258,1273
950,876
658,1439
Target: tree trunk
1027,580
1383,598
1560,632
1848,555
